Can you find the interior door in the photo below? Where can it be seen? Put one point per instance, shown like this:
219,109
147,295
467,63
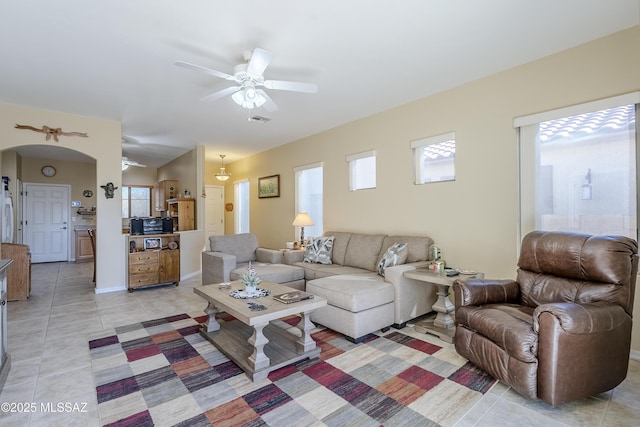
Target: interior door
46,222
214,211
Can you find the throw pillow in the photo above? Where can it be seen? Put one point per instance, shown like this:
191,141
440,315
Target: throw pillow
395,255
318,250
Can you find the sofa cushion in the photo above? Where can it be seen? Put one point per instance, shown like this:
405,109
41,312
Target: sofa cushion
278,273
353,293
417,246
340,243
363,250
243,245
395,255
316,271
319,250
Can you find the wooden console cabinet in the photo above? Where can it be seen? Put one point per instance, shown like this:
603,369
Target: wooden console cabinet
19,272
153,266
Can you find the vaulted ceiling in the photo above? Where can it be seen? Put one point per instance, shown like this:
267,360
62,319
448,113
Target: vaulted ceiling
115,59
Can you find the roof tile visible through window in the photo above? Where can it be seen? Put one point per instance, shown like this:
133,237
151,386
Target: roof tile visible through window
442,149
612,119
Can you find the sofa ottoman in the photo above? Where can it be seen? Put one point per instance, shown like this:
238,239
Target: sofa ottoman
356,304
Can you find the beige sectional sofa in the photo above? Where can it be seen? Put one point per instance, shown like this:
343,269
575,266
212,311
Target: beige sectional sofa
229,257
361,301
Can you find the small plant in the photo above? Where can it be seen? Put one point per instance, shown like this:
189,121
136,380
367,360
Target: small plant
250,280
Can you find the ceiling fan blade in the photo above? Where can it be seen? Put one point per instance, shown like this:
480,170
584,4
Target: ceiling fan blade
204,70
260,58
291,86
268,105
221,93
127,162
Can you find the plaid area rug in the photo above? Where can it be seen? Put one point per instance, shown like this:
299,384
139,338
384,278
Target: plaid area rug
164,373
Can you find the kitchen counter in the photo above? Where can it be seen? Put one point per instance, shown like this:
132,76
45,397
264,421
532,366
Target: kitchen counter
83,227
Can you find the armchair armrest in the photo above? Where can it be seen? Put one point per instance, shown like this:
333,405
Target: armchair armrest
270,256
485,291
216,267
582,347
582,318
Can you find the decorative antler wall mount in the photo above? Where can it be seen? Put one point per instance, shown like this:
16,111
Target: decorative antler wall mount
49,132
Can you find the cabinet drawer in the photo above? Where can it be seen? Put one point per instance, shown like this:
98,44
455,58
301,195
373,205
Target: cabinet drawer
142,279
143,268
143,258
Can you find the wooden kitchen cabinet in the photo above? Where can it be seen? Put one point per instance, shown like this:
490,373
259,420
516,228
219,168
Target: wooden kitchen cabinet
183,213
164,190
19,272
84,249
155,266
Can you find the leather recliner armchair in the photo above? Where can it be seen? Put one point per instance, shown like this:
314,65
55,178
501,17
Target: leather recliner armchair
562,330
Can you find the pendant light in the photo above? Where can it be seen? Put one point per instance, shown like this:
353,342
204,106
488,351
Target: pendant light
223,175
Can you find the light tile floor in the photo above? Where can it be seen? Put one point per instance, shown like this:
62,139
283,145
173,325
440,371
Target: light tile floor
51,364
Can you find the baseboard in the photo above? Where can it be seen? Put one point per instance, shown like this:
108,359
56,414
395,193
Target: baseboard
107,290
189,276
635,355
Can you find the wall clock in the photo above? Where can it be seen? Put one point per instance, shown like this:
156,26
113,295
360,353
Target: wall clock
87,193
48,171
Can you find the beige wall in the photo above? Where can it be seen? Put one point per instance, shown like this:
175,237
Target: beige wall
474,218
104,145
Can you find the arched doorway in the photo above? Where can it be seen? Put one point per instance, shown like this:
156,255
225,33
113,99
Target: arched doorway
54,188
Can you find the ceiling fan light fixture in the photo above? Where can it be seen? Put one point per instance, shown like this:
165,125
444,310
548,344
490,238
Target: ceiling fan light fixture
249,98
223,175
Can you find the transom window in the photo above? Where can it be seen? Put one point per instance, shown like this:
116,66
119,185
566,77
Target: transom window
434,158
362,171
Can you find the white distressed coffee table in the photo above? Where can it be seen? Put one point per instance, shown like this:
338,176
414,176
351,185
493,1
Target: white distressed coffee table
253,342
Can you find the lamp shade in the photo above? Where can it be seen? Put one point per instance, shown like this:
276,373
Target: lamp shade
302,220
223,175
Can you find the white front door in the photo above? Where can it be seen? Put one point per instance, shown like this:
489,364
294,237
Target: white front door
214,211
46,222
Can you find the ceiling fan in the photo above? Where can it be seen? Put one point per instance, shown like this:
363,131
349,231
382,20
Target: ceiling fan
126,163
249,79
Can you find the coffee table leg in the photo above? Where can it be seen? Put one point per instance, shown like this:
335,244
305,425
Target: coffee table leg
305,342
212,324
258,360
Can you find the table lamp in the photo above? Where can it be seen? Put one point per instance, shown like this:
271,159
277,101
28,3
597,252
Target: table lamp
302,220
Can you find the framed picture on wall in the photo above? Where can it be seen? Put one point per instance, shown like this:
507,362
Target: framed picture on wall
269,186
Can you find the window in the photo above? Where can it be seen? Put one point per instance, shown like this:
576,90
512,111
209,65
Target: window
578,171
434,158
362,170
241,215
309,194
136,201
